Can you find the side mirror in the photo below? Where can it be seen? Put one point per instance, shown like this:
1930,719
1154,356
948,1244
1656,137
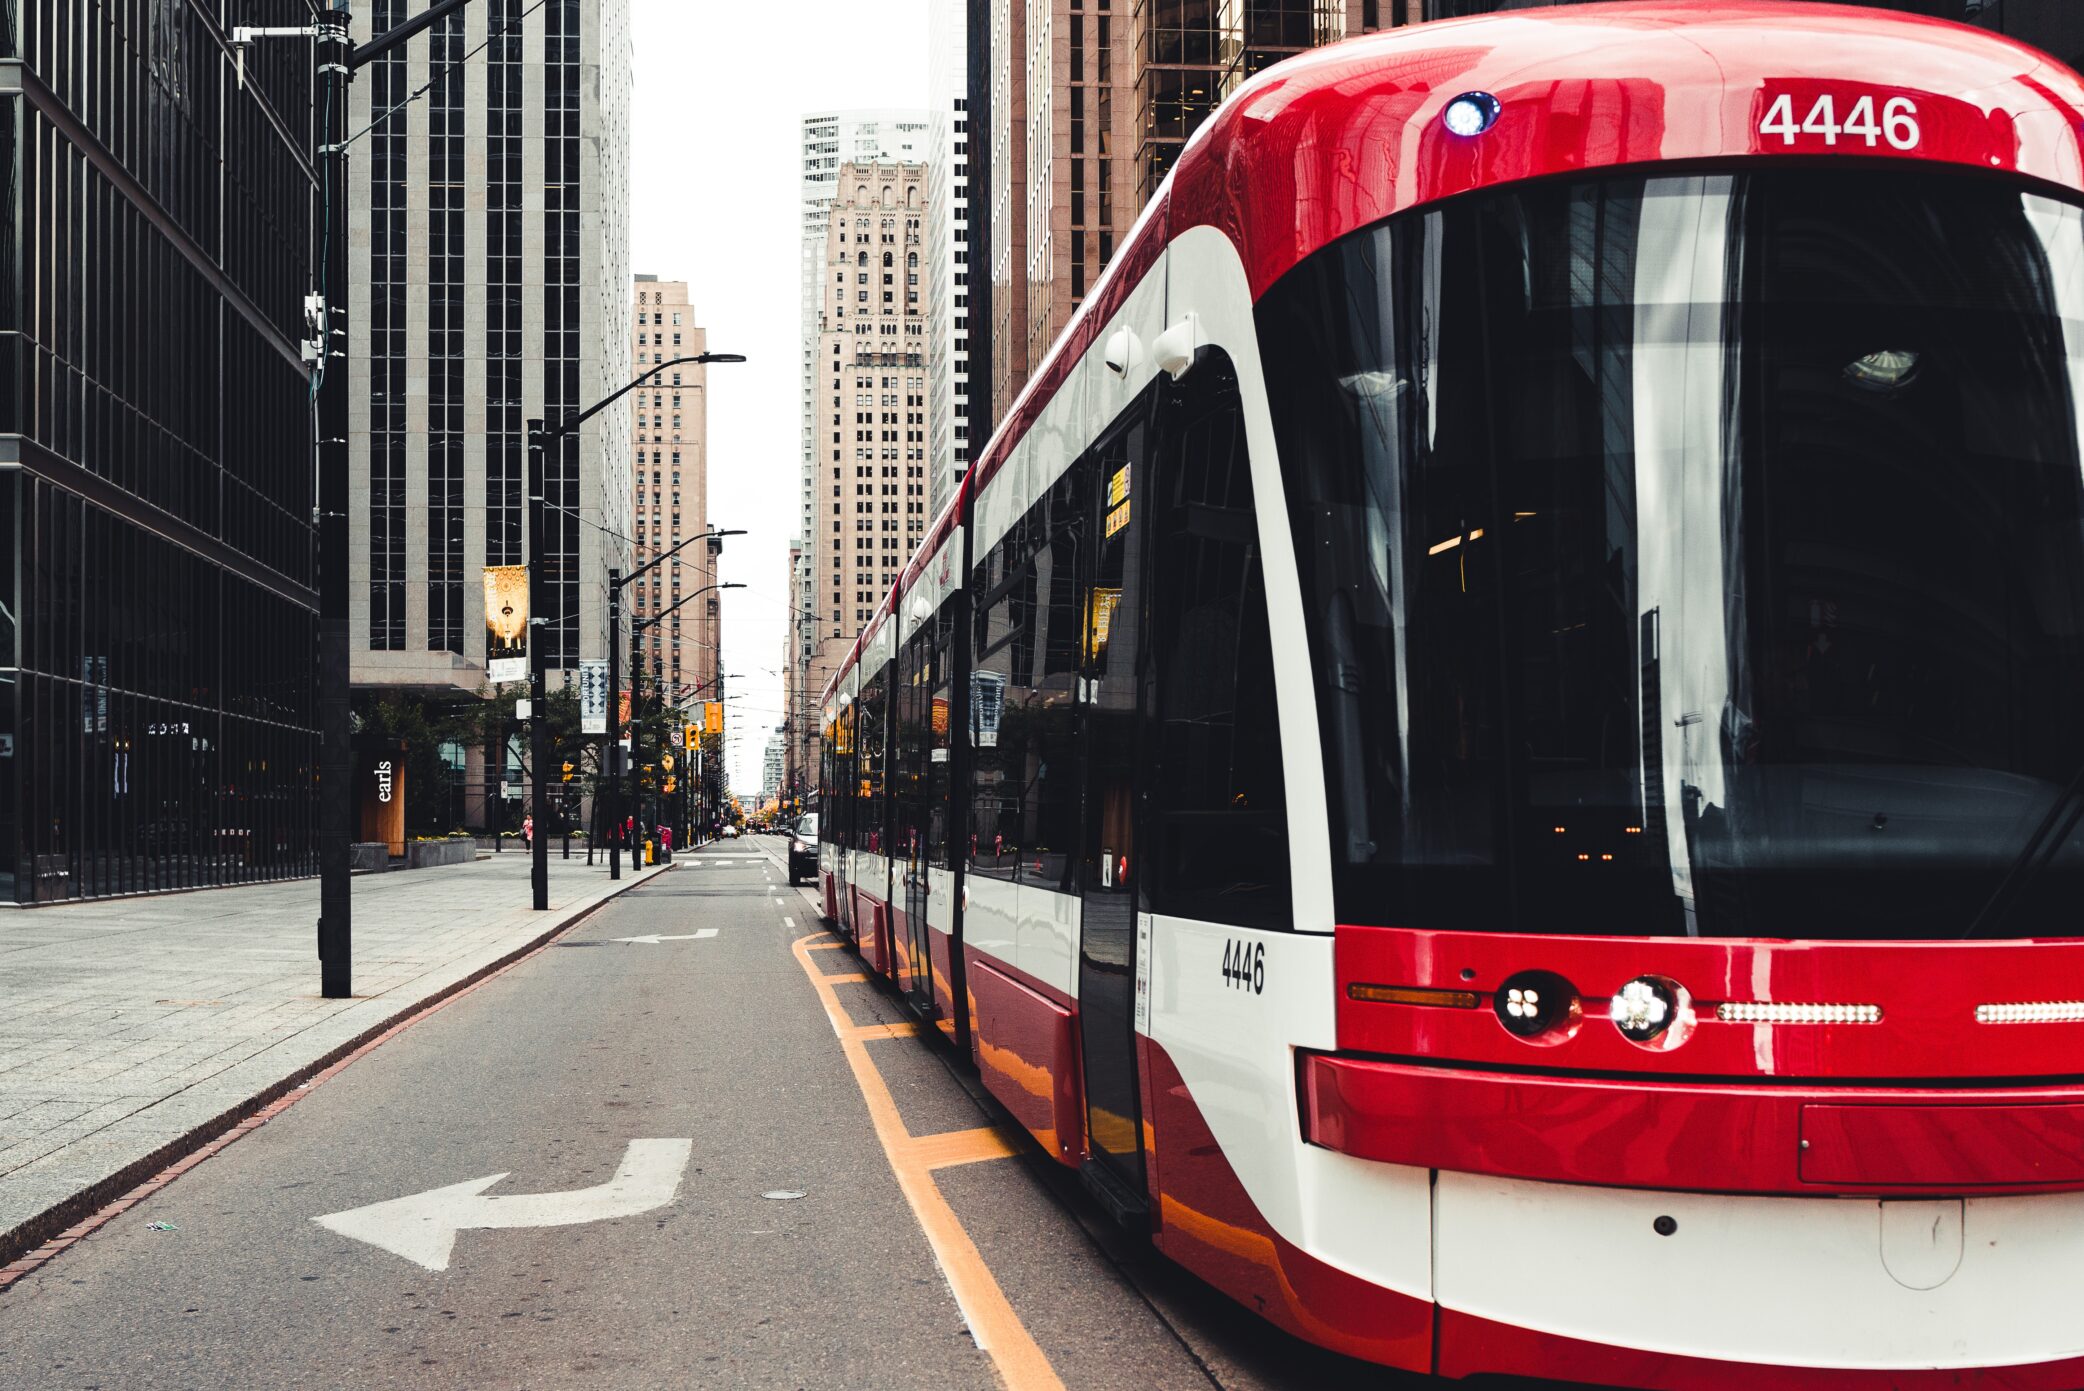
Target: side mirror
1176,346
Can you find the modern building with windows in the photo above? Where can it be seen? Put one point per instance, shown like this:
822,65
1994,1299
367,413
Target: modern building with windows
872,491
489,226
158,596
948,253
829,139
669,462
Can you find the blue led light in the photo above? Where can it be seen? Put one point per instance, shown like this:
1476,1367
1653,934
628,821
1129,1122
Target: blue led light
1471,113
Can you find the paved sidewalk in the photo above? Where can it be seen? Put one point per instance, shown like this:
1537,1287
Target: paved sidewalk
133,1030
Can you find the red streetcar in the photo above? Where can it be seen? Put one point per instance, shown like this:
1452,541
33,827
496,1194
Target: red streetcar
1495,749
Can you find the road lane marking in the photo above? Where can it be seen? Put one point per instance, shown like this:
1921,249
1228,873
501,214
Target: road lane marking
903,1028
422,1228
993,1324
657,937
788,922
960,1147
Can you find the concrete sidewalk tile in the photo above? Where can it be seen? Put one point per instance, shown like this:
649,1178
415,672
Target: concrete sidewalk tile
127,1027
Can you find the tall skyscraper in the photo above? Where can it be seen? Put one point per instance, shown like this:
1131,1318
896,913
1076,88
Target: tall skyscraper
157,586
871,484
948,253
830,139
477,314
669,461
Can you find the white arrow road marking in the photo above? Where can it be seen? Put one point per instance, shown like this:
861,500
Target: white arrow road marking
655,938
423,1227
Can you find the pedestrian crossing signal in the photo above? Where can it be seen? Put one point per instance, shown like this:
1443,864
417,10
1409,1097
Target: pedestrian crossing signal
671,783
567,771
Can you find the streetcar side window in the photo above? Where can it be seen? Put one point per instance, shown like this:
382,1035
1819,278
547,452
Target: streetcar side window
1024,780
870,714
1218,820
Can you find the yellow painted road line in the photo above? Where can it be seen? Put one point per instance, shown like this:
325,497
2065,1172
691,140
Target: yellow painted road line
903,1028
997,1329
959,1147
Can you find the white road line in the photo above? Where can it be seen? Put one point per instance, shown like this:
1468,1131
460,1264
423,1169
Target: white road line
788,922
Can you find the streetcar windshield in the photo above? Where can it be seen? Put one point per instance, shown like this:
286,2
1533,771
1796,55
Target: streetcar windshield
1697,555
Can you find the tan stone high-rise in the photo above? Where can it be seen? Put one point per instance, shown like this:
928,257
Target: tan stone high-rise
669,465
870,491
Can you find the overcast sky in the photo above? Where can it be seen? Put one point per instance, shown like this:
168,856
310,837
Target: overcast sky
720,90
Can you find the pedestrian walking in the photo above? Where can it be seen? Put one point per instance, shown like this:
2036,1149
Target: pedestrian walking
528,831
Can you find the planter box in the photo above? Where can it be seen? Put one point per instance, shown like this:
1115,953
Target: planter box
369,857
424,854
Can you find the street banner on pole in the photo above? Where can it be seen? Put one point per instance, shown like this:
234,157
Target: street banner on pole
593,696
713,716
506,623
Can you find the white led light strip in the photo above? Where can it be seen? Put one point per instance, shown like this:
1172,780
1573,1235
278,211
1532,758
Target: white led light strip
1797,1014
2032,1012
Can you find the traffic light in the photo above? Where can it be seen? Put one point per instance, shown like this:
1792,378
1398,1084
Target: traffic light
671,783
568,770
692,737
667,761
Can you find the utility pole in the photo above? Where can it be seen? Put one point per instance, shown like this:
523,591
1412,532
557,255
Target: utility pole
611,755
336,769
325,312
538,705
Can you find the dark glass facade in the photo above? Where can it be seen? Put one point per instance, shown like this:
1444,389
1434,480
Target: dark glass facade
157,604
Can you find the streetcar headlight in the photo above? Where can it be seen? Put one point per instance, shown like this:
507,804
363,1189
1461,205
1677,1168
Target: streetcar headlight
1471,113
1645,1008
1539,1006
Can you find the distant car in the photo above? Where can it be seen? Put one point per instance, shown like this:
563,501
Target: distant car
730,833
803,850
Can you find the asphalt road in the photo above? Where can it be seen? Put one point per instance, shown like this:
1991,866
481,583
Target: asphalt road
545,1074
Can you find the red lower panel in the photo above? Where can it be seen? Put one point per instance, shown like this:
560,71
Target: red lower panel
871,933
937,947
1470,1346
1211,1226
831,896
1724,1137
1028,1056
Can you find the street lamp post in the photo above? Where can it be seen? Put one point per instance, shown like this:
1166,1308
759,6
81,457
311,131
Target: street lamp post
637,628
326,322
616,583
540,437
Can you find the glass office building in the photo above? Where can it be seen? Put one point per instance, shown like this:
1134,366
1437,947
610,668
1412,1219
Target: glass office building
157,584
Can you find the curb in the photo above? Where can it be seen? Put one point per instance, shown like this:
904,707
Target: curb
46,1235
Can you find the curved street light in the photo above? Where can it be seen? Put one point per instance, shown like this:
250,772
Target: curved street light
540,437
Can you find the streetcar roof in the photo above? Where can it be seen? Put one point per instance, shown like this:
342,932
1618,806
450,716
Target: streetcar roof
1341,137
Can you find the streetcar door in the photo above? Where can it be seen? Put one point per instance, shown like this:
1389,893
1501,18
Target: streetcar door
916,684
1110,690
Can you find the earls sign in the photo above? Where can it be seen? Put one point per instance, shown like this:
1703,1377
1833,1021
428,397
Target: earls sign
380,791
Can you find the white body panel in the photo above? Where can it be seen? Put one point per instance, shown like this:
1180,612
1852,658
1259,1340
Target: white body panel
1805,1282
1048,937
991,923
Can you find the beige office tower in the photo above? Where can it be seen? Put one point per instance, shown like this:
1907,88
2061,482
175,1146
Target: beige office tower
669,466
1091,101
829,139
870,488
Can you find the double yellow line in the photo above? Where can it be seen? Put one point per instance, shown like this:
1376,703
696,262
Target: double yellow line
913,1158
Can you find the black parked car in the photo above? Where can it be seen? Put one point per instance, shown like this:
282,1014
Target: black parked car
803,850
